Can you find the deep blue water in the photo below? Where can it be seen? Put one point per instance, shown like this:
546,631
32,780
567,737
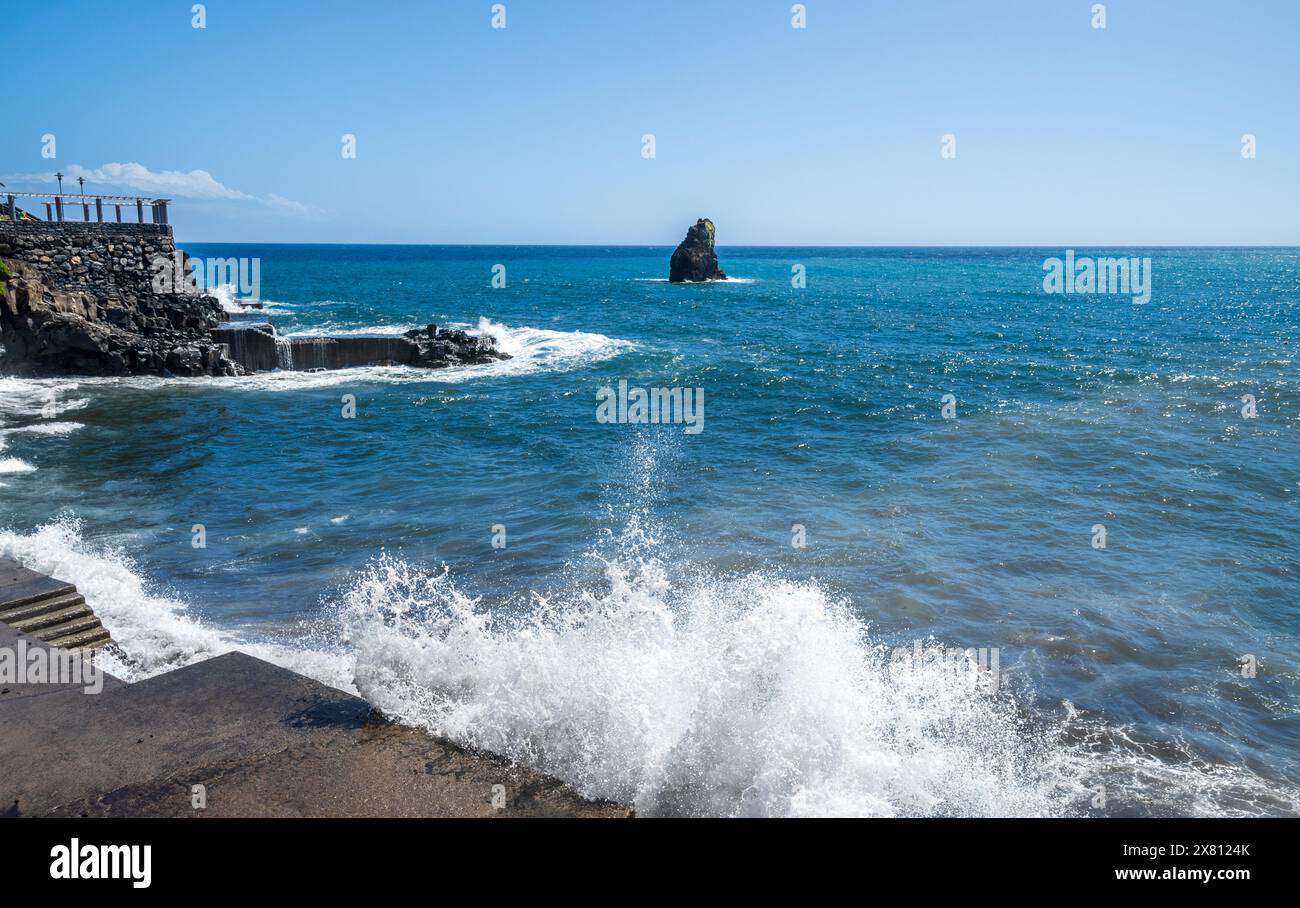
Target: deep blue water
822,409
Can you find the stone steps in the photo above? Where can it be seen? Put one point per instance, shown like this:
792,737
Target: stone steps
20,587
15,615
89,639
49,610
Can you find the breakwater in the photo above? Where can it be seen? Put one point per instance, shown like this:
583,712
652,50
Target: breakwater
257,348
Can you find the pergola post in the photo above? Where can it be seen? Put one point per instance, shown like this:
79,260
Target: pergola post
99,210
139,211
118,209
58,206
13,209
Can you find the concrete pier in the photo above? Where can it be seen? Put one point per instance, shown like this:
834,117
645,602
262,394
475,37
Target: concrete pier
257,349
243,738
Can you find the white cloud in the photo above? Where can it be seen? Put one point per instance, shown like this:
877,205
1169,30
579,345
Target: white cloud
194,184
289,205
180,184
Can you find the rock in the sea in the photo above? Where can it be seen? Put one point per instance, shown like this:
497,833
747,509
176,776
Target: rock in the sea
694,259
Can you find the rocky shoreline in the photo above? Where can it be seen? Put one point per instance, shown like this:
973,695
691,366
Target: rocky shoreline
80,300
101,299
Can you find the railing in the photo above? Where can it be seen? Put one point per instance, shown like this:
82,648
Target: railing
58,204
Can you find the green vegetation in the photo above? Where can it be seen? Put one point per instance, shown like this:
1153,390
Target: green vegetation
5,274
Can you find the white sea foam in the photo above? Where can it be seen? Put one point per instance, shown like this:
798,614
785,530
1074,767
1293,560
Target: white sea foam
47,428
750,695
541,349
232,302
25,399
330,329
725,280
46,398
226,294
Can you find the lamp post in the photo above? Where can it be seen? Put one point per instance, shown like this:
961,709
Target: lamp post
85,209
58,199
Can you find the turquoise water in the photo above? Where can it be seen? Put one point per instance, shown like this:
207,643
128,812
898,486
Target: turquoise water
648,601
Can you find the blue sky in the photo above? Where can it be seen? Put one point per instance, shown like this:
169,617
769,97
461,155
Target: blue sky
1065,134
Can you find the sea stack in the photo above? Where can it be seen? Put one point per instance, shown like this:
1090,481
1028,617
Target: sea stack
694,259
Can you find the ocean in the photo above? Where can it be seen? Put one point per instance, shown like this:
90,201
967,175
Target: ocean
940,542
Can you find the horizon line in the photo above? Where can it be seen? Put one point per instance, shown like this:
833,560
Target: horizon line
779,245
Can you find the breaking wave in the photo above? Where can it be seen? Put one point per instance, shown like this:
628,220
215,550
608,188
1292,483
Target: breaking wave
678,692
742,696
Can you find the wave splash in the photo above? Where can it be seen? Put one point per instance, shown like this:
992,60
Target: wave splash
745,696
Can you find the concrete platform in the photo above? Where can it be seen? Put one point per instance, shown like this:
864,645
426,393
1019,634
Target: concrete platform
262,740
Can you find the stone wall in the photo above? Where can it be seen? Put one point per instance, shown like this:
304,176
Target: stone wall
81,300
109,258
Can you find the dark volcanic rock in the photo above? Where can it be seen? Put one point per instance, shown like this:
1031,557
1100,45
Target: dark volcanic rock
451,347
694,259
